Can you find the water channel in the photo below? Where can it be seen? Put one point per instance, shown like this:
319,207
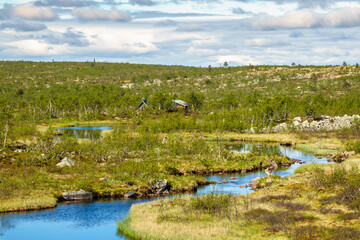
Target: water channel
98,219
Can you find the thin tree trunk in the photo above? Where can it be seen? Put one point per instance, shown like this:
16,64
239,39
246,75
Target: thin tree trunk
6,131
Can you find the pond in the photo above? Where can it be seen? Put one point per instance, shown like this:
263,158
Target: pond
98,219
84,132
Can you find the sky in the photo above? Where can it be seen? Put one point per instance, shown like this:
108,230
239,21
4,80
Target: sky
182,32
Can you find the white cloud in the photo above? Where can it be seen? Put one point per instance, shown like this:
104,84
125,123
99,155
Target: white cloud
237,59
30,11
199,52
100,14
33,48
346,17
261,42
292,19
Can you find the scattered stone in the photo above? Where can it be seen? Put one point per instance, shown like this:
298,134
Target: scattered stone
224,181
243,171
241,186
66,162
233,178
103,179
246,185
18,150
77,195
253,183
232,181
130,194
166,192
293,160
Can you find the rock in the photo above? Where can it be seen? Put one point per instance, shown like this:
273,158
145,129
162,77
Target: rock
268,181
232,181
66,162
77,195
297,119
224,181
103,179
18,150
161,186
253,183
166,192
246,185
243,171
233,178
241,186
130,194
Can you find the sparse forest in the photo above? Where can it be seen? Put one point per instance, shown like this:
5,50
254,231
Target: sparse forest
160,141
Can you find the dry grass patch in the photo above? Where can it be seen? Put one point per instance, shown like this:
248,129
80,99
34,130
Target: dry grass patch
27,203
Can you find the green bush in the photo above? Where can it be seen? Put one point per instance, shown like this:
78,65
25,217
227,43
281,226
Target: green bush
353,146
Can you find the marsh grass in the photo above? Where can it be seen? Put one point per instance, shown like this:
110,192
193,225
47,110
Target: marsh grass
303,206
319,233
25,203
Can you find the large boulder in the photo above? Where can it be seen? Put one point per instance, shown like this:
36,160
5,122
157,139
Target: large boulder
66,162
77,195
161,186
130,194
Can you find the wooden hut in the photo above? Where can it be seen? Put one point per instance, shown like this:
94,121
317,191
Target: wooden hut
180,104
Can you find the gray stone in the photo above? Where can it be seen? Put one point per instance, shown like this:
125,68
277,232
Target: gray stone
66,162
18,150
297,119
166,192
161,184
130,194
77,195
103,179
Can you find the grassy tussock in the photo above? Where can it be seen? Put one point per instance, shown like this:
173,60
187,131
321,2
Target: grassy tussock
28,203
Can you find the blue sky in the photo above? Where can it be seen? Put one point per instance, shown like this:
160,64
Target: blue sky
186,32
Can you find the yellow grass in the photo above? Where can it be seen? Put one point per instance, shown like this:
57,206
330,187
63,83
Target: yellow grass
27,203
145,219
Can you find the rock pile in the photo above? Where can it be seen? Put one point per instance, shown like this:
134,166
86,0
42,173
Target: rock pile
66,162
340,157
324,123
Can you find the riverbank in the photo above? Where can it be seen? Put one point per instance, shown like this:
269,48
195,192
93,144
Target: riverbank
117,164
318,202
125,161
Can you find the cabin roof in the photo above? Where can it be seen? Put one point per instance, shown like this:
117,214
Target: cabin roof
143,103
181,102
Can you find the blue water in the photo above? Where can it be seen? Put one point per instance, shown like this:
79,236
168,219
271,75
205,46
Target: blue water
84,132
98,220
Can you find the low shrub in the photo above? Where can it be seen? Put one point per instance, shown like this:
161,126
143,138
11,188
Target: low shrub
293,206
269,198
349,216
353,146
215,204
315,232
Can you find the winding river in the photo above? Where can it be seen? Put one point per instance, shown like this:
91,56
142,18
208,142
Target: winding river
98,219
